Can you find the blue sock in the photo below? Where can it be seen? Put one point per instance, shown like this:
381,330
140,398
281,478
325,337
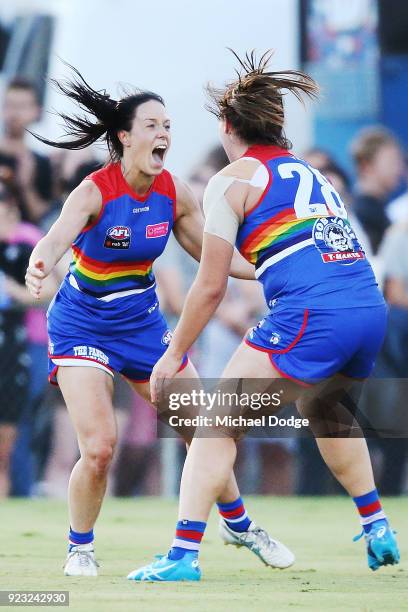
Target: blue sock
77,538
369,508
187,539
235,515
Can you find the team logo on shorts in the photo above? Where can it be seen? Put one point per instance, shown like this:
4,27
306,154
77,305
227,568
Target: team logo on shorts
166,338
117,237
91,352
336,241
157,230
275,338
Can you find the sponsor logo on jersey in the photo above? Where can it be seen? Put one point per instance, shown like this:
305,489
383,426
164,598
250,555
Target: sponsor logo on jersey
117,237
141,209
166,338
153,308
336,241
157,230
50,347
91,352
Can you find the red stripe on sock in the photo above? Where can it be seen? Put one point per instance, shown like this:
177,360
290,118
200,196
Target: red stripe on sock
370,508
233,513
197,536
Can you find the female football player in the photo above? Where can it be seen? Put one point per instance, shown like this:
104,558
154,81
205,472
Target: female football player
327,317
105,316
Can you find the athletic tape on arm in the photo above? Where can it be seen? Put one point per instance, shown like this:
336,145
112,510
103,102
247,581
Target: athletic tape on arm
220,219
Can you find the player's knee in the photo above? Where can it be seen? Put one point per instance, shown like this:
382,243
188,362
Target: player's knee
99,455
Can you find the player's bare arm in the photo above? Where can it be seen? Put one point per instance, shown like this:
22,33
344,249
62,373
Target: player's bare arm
224,213
210,284
189,227
80,208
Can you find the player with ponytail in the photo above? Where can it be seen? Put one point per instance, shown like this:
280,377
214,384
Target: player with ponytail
327,317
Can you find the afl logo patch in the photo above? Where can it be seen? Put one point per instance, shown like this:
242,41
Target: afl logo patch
336,241
117,237
157,230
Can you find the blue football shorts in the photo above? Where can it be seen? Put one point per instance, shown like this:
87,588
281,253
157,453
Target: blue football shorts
312,345
127,335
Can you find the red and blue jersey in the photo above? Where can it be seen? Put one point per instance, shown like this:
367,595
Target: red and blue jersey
115,253
298,236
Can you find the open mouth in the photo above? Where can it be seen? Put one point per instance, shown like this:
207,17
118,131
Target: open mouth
158,153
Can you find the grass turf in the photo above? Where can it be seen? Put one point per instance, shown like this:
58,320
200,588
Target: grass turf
330,572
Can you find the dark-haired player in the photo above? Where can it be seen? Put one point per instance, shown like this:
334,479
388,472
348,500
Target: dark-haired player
106,315
327,317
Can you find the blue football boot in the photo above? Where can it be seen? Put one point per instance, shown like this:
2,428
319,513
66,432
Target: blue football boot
169,570
382,547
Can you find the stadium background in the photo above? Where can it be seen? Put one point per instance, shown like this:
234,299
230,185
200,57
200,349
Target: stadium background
359,54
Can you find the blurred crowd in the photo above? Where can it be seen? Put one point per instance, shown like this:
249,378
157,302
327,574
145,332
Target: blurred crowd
37,444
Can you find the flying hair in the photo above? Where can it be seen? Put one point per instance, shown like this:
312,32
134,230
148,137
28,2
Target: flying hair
252,103
102,117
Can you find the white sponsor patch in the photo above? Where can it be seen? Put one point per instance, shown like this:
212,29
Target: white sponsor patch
336,241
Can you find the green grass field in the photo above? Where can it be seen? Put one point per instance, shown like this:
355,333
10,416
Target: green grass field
330,572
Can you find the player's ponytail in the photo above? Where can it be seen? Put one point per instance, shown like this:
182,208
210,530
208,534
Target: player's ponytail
253,103
104,117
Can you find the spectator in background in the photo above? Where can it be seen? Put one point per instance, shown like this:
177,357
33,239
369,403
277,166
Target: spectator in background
29,170
393,360
318,158
24,466
22,329
395,255
73,167
28,177
69,168
379,165
14,358
397,210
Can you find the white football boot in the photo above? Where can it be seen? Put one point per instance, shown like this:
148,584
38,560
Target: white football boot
81,561
271,552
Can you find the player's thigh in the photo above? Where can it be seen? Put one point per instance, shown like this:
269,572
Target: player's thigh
87,392
332,406
247,362
185,382
186,374
253,371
